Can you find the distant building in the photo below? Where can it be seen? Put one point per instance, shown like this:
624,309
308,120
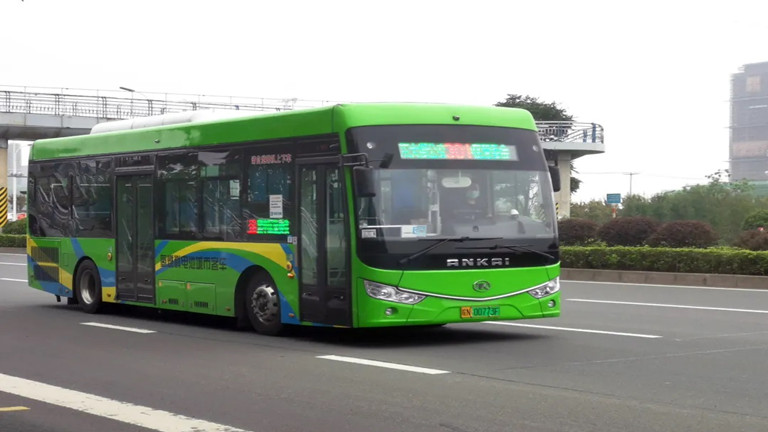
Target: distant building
749,123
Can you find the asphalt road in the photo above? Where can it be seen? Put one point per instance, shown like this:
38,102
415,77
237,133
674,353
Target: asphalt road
621,358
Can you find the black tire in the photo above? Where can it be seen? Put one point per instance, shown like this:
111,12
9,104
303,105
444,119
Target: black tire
262,305
88,287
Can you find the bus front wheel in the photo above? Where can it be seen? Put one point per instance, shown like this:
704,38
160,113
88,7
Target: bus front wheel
262,304
88,287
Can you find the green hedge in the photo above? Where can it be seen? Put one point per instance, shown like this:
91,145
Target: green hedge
12,240
714,261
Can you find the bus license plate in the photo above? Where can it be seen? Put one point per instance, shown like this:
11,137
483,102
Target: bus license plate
480,311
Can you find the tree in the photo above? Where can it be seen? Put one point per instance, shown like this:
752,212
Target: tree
596,211
720,204
541,111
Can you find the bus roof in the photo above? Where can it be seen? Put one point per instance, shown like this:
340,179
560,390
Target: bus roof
280,125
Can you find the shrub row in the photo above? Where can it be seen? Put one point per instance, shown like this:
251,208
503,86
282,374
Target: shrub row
637,231
713,261
13,240
16,227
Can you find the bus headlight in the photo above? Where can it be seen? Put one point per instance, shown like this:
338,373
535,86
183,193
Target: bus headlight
546,289
390,293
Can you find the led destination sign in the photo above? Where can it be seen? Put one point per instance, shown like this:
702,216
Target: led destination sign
458,151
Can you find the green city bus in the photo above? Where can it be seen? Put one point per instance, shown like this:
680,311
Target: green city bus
353,215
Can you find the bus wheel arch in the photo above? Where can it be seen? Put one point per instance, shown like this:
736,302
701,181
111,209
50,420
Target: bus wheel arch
257,302
87,286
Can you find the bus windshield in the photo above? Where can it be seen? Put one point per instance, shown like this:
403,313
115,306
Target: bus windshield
453,182
416,203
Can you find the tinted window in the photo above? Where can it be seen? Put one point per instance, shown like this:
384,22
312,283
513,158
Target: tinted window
49,209
179,190
268,208
92,198
220,172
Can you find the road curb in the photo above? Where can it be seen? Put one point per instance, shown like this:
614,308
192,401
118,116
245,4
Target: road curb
663,278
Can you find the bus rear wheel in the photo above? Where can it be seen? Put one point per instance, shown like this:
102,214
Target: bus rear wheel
88,287
262,304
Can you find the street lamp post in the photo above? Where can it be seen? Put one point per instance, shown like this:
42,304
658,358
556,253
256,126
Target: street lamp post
131,91
141,113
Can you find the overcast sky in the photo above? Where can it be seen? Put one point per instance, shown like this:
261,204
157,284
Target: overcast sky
655,74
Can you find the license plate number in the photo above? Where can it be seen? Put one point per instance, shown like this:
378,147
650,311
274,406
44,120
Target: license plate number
480,311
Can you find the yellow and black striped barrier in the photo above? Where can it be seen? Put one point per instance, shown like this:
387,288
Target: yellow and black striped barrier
3,206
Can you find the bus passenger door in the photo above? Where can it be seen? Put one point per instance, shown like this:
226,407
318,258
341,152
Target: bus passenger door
134,243
324,284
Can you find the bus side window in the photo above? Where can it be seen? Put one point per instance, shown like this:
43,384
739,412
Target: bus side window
268,206
220,172
178,180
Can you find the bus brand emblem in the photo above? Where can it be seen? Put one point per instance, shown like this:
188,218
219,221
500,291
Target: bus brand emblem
481,286
477,262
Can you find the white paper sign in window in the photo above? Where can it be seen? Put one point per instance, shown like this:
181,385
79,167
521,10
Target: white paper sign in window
275,206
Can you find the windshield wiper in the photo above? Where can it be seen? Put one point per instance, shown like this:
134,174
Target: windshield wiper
441,242
517,248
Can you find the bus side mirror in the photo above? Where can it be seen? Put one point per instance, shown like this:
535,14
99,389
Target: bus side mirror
365,184
554,174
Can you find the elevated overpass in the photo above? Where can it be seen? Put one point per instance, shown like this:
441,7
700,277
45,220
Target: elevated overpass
31,113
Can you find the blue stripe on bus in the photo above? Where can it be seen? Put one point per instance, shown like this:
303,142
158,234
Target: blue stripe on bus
159,248
78,248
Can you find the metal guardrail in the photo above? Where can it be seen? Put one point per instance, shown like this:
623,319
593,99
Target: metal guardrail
556,131
114,105
128,103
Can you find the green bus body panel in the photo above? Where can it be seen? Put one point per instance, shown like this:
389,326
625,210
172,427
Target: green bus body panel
59,270
455,283
202,276
399,114
276,126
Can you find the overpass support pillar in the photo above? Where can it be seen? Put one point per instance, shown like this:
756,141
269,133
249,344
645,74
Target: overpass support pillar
3,181
563,198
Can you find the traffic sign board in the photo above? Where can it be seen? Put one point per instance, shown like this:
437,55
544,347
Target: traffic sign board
613,198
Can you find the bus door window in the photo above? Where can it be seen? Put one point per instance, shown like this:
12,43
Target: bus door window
336,232
309,252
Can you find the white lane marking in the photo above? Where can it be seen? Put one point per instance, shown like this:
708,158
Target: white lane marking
13,280
14,254
670,306
18,264
114,327
384,364
638,335
125,412
666,286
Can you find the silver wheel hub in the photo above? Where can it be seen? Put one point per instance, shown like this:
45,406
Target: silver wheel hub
264,304
87,288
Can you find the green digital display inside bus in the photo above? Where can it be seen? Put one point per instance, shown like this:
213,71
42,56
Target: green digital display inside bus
457,151
269,226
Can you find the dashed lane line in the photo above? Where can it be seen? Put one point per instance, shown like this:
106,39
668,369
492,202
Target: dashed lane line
114,327
382,364
570,329
13,408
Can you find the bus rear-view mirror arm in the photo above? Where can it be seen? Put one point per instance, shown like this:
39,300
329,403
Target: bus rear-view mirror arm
554,174
364,181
